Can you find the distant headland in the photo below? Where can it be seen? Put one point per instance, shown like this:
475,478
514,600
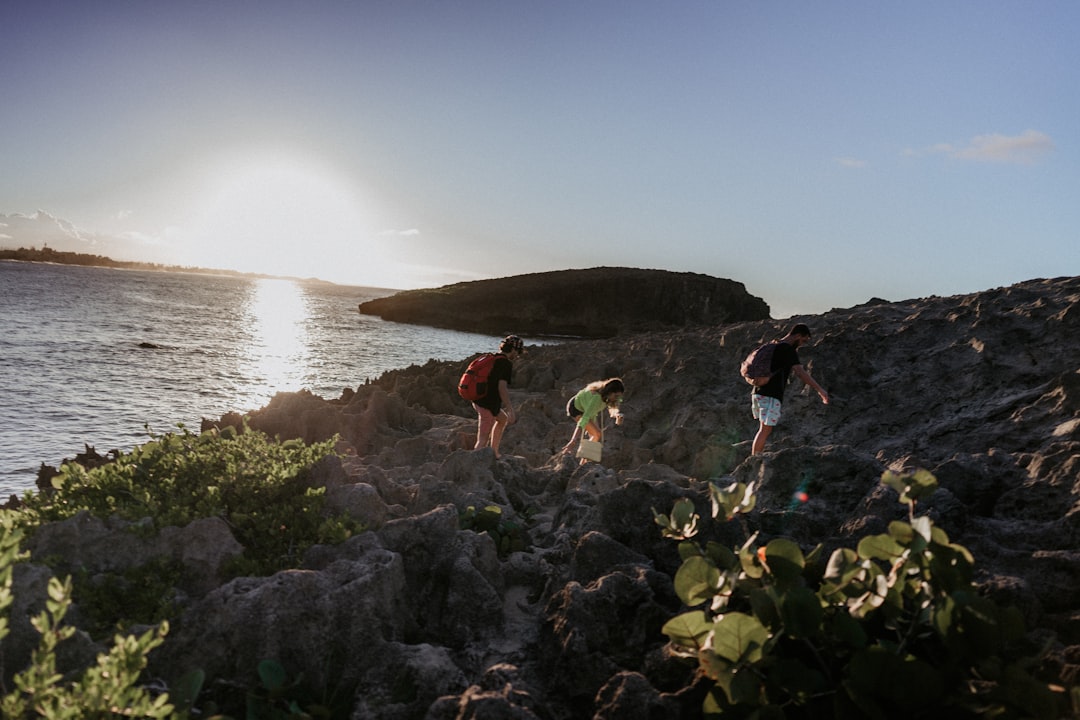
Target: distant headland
59,257
592,302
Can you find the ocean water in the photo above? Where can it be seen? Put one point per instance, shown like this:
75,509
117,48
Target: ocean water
92,356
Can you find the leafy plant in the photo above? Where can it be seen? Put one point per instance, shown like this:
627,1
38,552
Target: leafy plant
142,595
893,628
259,486
106,690
280,697
509,536
276,696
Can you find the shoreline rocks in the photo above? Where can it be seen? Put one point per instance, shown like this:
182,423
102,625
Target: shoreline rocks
424,618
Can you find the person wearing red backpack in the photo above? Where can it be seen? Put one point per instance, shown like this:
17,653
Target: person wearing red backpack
494,409
767,398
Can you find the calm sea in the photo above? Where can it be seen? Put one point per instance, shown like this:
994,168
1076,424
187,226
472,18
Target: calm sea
91,356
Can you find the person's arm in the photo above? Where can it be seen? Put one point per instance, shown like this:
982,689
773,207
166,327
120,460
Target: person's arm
802,374
568,447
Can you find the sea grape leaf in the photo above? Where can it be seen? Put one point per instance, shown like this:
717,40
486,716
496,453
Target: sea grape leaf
721,555
911,486
688,549
688,630
785,561
739,637
843,567
880,547
696,580
802,613
901,532
272,675
764,604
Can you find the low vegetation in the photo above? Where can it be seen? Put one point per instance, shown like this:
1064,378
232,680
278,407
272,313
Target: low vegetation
893,628
259,486
106,690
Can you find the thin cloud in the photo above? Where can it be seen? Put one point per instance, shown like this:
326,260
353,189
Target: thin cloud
141,238
849,162
1027,148
1024,149
411,232
41,228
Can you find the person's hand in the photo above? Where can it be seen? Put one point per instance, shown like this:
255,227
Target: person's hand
824,397
619,419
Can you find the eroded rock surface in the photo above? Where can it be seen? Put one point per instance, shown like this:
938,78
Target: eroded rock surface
419,618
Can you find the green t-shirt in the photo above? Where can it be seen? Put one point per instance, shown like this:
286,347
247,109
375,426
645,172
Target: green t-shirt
590,404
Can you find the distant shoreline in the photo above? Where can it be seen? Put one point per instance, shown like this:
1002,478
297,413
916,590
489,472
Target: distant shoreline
57,257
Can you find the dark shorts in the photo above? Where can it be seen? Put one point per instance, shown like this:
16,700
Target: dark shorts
572,409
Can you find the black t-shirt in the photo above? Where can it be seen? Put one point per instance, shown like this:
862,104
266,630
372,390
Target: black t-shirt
784,358
501,370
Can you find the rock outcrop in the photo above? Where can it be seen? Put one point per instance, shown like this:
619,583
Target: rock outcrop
594,303
420,618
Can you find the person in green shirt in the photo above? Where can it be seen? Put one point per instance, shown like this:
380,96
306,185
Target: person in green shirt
585,407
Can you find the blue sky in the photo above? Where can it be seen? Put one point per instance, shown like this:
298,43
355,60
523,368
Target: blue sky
821,153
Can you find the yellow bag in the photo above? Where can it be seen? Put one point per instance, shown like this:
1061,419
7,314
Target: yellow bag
590,449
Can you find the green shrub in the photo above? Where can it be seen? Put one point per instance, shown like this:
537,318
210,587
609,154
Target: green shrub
509,536
259,486
141,595
893,628
106,690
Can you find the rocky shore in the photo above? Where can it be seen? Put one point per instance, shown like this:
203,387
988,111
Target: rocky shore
426,616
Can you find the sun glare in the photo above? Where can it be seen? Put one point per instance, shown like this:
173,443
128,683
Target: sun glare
281,215
278,352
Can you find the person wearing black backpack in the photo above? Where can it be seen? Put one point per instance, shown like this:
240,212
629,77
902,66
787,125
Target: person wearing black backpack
494,409
767,398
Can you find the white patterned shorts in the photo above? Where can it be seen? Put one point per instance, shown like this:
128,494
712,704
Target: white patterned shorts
766,409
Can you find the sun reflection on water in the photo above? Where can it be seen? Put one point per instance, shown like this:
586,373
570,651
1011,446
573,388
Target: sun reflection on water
278,352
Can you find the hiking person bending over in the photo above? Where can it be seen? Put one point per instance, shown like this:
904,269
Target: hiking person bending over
494,409
587,404
766,399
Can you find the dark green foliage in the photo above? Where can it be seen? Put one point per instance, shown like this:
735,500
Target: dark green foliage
259,486
114,602
716,455
106,689
509,536
893,628
277,698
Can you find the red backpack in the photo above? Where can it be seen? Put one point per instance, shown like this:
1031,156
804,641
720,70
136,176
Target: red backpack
756,369
474,381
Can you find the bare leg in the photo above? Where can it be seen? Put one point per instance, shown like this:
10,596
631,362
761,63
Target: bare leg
759,440
484,427
497,432
594,434
593,430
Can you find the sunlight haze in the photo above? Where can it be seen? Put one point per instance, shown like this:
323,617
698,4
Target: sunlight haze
820,153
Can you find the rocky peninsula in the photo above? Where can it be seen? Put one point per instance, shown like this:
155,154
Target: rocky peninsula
425,617
595,302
